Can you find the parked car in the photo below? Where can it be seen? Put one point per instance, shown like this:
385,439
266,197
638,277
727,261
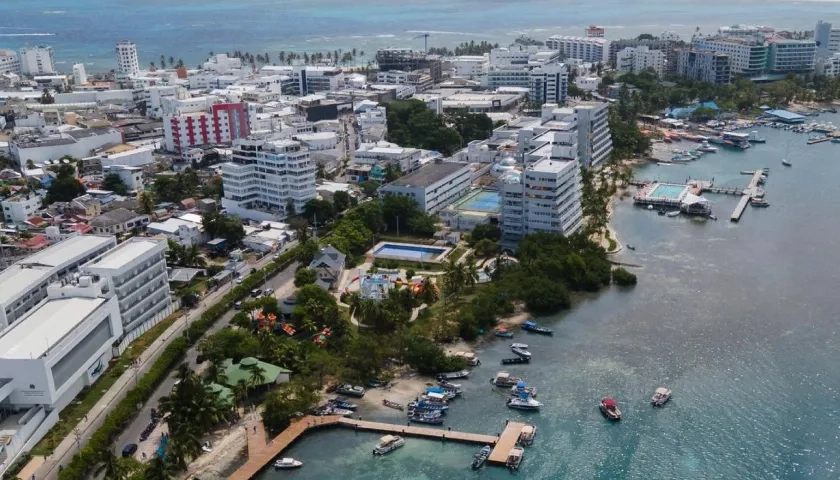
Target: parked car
256,292
268,292
129,450
237,305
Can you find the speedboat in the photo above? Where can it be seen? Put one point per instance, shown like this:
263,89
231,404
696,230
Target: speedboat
514,458
352,390
526,436
523,346
673,213
786,162
705,147
503,333
388,444
453,375
536,328
481,457
610,409
524,403
445,384
661,396
287,463
522,353
341,403
521,389
516,360
759,203
503,379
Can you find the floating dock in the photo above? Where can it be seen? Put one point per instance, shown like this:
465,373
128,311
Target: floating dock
750,192
506,441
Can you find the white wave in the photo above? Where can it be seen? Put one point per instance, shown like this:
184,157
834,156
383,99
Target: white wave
439,32
385,36
54,12
27,34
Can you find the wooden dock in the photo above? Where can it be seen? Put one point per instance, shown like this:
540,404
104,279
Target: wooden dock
750,193
261,454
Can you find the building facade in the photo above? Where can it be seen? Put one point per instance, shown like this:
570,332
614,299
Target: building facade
791,56
704,66
9,62
433,187
308,79
469,66
747,56
594,138
128,65
549,83
264,175
637,59
224,123
585,48
36,60
19,208
826,36
79,75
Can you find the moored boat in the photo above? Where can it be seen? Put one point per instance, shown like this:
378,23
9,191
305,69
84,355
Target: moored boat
516,360
453,375
660,396
786,162
514,458
503,379
421,405
388,444
394,405
524,403
523,346
341,403
673,213
527,434
521,389
536,328
609,408
445,384
503,333
352,390
759,203
287,463
481,457
521,352
432,420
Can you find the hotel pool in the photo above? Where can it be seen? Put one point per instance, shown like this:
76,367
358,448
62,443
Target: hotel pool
482,201
667,190
410,251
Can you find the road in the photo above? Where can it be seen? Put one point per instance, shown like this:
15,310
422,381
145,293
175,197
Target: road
280,284
96,417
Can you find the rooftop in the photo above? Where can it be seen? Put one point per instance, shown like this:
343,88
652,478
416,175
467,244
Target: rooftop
114,217
125,253
16,279
44,327
69,250
428,175
549,166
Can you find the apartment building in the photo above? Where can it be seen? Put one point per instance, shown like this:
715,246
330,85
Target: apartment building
668,46
19,208
548,83
419,80
433,187
829,66
9,62
704,66
637,59
222,124
37,60
747,56
791,56
588,49
308,79
264,174
128,65
588,120
826,36
79,74
408,60
469,66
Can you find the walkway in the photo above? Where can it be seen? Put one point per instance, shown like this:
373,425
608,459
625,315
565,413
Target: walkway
506,441
438,434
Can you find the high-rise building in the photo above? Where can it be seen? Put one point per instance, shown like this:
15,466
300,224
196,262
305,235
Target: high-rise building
636,59
79,75
9,62
666,45
827,38
407,60
791,56
747,56
584,48
704,66
127,63
549,83
594,137
36,60
222,124
264,174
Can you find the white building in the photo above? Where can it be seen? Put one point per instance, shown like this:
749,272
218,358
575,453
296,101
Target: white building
136,272
222,124
79,75
705,66
594,31
590,120
637,59
132,177
136,157
118,221
264,174
156,96
584,48
419,80
127,63
469,66
549,83
825,34
545,196
19,208
433,187
746,31
830,66
747,56
317,140
9,62
382,153
78,143
180,231
309,79
669,36
36,60
791,56
221,63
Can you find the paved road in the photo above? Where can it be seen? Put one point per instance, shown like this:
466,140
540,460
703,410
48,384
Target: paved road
96,417
279,283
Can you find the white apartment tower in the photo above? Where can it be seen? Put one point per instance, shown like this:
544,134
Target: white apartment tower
588,49
549,83
637,59
36,60
827,38
265,172
127,63
79,75
9,62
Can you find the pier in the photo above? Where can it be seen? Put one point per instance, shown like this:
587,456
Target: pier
750,193
261,454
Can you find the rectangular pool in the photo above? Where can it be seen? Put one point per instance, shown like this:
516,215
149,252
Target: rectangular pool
481,201
409,251
668,190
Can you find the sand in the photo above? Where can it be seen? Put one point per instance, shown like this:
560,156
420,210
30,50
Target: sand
514,320
403,389
229,448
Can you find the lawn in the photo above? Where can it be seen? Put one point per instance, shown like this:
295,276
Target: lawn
457,253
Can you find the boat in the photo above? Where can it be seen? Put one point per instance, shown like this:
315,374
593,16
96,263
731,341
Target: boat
759,203
394,405
426,419
287,463
481,457
660,396
706,147
610,409
521,352
423,405
344,412
630,246
469,357
437,398
712,217
662,211
786,162
756,138
448,385
388,444
444,393
673,213
352,390
520,389
523,346
835,140
650,207
503,379
516,360
453,375
503,333
341,403
536,328
514,458
524,403
526,436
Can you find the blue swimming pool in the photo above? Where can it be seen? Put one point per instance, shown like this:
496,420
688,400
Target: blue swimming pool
667,190
483,201
403,251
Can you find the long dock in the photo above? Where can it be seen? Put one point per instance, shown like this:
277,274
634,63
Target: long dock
261,454
750,193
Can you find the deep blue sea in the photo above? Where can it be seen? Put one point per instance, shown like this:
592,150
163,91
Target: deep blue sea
87,30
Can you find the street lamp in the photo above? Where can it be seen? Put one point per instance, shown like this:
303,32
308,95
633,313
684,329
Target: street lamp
136,367
187,323
78,435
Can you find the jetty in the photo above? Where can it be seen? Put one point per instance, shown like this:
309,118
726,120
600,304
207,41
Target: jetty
750,192
262,453
813,141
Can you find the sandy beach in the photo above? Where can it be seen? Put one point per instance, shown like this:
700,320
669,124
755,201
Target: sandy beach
403,389
229,449
516,319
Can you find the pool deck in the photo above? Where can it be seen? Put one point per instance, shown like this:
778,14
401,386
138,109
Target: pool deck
435,259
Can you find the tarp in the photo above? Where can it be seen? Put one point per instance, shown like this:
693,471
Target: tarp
609,402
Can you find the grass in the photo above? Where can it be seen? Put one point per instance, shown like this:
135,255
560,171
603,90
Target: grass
457,253
613,245
87,398
404,238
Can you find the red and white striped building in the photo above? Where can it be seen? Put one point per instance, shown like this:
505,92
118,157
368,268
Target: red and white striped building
224,123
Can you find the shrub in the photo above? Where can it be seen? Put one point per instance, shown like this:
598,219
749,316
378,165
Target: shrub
623,278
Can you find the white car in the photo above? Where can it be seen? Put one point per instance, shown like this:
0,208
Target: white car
239,281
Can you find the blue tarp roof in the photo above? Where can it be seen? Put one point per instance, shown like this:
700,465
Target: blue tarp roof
685,112
786,115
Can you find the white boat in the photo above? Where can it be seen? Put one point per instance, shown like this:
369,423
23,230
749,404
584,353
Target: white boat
786,162
521,352
514,458
287,463
527,434
706,147
387,444
661,396
672,213
527,403
523,346
503,379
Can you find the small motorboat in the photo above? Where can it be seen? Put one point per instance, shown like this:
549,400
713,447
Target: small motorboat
394,405
536,328
453,375
514,458
673,213
503,333
503,379
650,207
352,390
610,409
287,463
432,420
341,403
388,444
705,147
344,412
523,346
786,162
448,385
481,457
522,353
713,217
660,397
759,203
630,246
523,403
425,405
445,393
516,360
526,436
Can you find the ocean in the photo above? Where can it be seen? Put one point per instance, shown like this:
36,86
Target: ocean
738,319
87,30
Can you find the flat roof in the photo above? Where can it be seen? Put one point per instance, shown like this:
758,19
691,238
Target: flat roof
428,175
785,114
68,250
124,253
549,165
39,331
16,279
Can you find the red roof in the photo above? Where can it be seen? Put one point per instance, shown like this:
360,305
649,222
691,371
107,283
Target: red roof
38,241
81,228
609,402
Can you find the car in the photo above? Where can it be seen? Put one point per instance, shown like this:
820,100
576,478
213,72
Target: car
237,305
129,450
239,281
268,292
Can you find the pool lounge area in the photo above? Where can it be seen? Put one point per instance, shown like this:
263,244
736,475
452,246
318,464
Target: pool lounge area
411,252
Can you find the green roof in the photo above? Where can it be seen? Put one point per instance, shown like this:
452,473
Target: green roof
225,394
242,371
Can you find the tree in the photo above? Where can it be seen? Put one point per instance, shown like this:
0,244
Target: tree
486,248
702,114
411,124
471,126
623,278
290,207
30,164
318,209
284,402
219,225
301,228
422,225
147,203
64,190
350,236
342,201
370,188
46,98
114,183
160,468
305,276
189,298
111,466
485,231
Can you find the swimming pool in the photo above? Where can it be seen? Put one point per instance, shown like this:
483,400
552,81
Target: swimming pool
409,251
482,201
667,190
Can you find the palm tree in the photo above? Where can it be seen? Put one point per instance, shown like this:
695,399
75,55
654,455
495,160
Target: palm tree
171,61
111,466
240,391
257,376
216,372
151,65
162,61
160,469
147,204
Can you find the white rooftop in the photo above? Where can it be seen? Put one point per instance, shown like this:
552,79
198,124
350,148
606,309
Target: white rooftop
39,331
191,217
68,250
169,226
549,166
16,279
124,253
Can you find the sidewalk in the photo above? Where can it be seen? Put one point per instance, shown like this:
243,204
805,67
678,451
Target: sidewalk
48,469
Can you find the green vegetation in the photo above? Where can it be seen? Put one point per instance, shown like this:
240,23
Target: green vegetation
218,225
174,188
184,256
65,187
411,124
465,48
114,183
623,278
305,276
528,41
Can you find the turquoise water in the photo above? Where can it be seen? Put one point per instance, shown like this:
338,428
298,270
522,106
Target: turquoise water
408,252
672,192
484,201
738,319
87,30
